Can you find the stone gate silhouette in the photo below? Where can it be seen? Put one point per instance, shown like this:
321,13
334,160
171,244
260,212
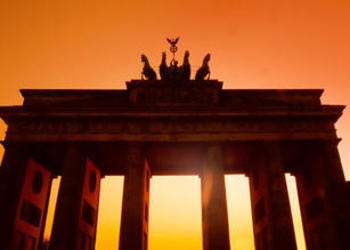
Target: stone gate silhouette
157,127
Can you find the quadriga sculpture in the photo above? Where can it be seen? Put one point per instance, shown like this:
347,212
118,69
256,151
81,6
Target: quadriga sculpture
174,72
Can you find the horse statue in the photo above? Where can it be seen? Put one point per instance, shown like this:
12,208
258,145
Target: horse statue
203,71
173,72
163,68
185,68
147,70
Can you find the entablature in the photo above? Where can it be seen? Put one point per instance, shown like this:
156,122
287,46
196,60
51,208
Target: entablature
171,111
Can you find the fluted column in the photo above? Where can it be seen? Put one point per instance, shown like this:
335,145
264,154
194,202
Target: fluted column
77,203
272,218
135,206
214,206
324,204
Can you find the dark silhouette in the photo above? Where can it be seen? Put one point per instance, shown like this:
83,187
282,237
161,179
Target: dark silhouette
147,70
174,72
163,68
173,42
203,71
185,69
151,128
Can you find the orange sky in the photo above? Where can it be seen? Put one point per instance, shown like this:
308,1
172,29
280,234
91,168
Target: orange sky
254,44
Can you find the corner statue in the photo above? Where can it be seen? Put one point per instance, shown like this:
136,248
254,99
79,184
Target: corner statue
147,70
173,72
203,71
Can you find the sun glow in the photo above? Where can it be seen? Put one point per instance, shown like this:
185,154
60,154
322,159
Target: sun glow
175,212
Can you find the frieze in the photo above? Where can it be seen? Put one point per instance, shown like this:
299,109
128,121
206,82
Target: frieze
184,95
169,93
168,126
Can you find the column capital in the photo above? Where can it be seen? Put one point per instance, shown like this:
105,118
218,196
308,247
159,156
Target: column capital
214,152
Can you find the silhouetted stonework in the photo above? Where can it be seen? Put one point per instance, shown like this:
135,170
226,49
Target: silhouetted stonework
166,128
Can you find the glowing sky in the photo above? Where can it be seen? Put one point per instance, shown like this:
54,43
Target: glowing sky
254,44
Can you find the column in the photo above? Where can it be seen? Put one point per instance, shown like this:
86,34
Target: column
135,207
12,173
75,219
272,219
323,201
24,194
214,205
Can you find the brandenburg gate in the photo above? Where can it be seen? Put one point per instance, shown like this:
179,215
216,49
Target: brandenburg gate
172,127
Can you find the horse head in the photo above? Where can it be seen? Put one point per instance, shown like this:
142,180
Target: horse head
186,57
206,59
144,58
187,54
163,58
